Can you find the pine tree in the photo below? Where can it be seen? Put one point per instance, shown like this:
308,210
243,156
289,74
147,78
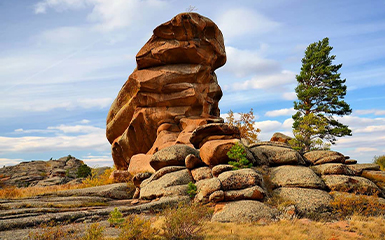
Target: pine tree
320,92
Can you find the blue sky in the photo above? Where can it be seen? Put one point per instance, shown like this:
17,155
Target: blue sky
62,62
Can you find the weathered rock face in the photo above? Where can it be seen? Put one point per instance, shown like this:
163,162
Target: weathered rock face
172,91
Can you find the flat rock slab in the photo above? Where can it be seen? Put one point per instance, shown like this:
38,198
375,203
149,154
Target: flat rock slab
295,176
351,184
276,155
115,191
359,168
378,177
324,156
243,211
332,169
199,136
306,200
172,156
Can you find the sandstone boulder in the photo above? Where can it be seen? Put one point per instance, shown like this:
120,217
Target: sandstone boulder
201,173
324,156
218,169
170,184
243,211
295,176
214,131
240,179
378,177
351,184
140,177
120,176
217,196
206,187
214,152
172,156
273,155
251,193
306,200
192,161
140,163
359,168
332,169
172,91
280,137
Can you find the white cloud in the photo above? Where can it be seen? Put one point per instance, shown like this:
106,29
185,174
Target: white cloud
9,161
289,96
85,121
98,161
245,62
277,80
376,112
241,21
366,149
280,112
108,15
75,129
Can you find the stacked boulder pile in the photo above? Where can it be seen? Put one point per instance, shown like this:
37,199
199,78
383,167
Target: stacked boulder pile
165,130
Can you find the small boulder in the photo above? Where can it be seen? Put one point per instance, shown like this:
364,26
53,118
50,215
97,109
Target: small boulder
163,171
172,156
251,193
218,169
120,176
140,163
240,179
243,211
274,155
170,184
359,168
201,173
192,161
295,176
217,196
350,161
306,200
354,184
138,178
215,152
206,187
213,131
280,137
332,168
324,156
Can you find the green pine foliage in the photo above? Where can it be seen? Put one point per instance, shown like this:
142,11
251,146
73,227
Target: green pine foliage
320,92
238,153
192,190
83,171
116,218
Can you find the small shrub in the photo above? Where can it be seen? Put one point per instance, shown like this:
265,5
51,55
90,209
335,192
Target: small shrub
345,205
83,171
238,153
69,157
380,160
116,218
192,190
185,221
50,232
94,232
138,228
94,180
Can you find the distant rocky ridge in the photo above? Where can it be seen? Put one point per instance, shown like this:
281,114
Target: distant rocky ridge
41,173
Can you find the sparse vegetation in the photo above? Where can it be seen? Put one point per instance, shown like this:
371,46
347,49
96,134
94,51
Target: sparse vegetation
245,125
380,160
192,190
94,232
83,171
51,232
116,218
185,221
94,180
238,153
137,227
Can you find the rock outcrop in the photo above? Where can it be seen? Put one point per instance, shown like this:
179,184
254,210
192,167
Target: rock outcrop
172,91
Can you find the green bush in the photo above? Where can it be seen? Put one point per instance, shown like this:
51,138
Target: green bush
94,232
138,228
116,218
192,190
83,171
380,160
185,221
238,153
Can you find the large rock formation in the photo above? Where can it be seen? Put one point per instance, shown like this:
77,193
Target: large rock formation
172,91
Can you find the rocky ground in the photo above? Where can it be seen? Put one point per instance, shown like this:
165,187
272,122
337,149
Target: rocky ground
73,209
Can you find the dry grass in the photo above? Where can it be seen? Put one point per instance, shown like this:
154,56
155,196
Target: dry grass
355,228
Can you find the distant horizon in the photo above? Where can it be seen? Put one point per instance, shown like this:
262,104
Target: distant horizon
64,62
